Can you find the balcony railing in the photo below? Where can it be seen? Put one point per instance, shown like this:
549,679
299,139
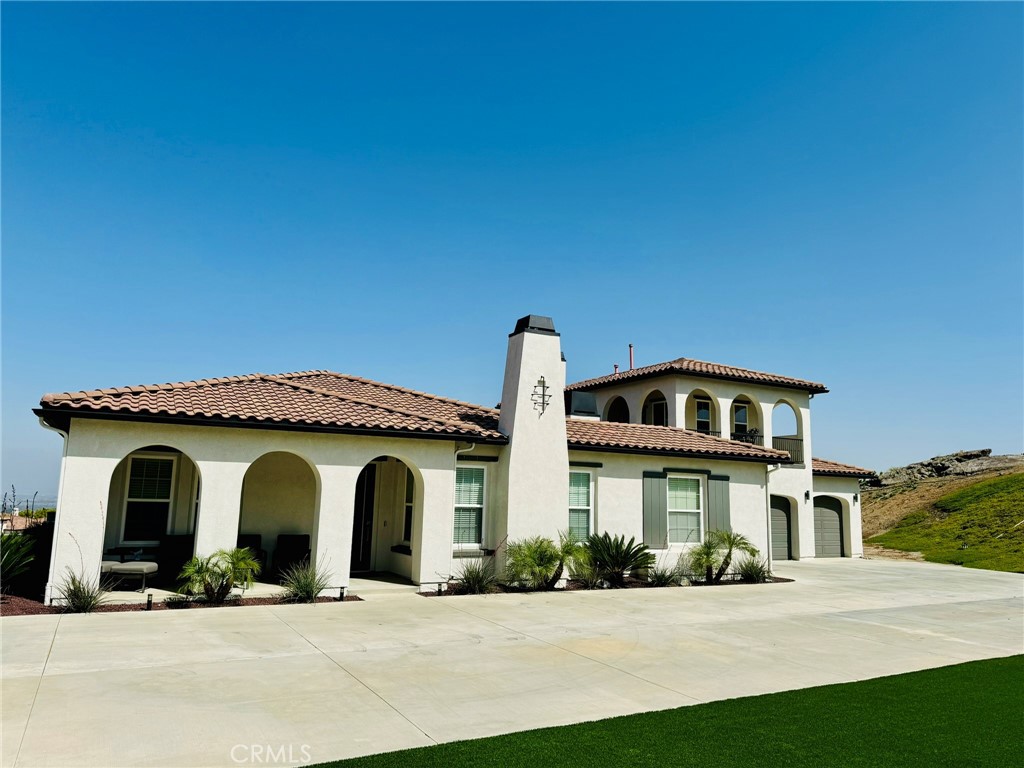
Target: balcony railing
712,432
794,445
747,437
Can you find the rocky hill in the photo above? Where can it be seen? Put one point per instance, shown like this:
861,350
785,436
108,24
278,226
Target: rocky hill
961,464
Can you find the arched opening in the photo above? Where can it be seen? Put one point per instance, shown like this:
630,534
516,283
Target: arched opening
784,528
745,421
387,515
786,432
278,509
617,410
829,527
702,413
151,511
655,410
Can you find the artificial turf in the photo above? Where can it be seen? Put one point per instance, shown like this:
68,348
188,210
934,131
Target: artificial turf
965,715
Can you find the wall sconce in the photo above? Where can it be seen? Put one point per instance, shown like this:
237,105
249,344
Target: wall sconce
856,497
807,495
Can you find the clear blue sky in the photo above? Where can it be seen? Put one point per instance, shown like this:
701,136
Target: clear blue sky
830,191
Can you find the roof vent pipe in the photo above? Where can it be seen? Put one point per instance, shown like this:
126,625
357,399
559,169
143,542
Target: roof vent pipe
616,367
631,357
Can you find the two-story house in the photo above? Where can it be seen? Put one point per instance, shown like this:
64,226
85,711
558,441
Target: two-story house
366,477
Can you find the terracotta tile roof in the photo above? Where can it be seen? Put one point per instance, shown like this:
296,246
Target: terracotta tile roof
684,365
643,438
316,399
834,468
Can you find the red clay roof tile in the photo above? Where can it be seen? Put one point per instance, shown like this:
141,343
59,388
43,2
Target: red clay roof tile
835,469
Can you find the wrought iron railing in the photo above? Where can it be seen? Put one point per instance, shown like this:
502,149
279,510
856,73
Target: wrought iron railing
712,432
794,445
748,437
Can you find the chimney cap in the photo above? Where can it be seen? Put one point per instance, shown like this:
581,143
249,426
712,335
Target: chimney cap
535,324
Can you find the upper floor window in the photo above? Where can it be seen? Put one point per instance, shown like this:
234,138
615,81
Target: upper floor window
656,410
740,415
703,414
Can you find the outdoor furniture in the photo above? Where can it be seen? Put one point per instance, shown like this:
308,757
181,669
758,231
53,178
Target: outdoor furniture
139,568
176,549
254,543
292,549
107,566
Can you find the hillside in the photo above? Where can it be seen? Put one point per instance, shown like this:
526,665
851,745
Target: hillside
968,518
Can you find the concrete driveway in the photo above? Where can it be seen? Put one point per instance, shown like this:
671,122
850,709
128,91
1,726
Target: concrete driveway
292,684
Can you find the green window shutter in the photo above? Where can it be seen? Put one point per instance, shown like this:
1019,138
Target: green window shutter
718,503
655,510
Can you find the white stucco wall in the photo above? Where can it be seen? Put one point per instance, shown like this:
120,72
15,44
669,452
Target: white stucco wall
222,455
278,496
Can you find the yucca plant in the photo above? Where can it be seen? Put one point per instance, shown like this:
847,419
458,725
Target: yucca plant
303,583
79,594
663,576
754,570
215,575
476,578
15,556
613,556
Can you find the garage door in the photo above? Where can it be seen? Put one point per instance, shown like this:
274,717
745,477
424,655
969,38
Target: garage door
828,527
781,537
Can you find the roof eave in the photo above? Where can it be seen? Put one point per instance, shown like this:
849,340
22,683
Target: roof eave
678,452
583,386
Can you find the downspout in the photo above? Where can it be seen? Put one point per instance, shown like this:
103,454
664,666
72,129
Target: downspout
47,596
768,469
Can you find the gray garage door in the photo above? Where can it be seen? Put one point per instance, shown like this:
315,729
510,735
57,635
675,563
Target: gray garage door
781,536
828,527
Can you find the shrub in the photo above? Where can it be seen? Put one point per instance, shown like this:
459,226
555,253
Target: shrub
214,576
15,556
476,578
662,576
79,594
304,582
709,561
582,570
612,557
754,570
538,563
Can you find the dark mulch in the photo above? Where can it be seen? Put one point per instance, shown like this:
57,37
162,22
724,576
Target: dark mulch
12,605
579,586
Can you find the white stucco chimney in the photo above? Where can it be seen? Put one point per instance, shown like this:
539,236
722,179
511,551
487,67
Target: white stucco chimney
536,463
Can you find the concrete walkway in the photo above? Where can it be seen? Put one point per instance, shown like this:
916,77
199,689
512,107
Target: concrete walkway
322,682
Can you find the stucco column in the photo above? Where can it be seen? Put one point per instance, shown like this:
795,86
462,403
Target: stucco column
332,527
725,416
81,518
767,412
220,504
432,544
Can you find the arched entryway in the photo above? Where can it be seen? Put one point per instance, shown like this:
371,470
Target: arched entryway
655,410
828,527
151,511
385,517
702,413
617,411
745,421
787,434
279,494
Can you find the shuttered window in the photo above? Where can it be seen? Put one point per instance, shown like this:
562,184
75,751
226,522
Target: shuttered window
469,505
684,508
148,500
580,505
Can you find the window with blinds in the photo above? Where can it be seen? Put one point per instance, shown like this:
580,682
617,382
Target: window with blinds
148,500
469,505
409,495
580,505
684,507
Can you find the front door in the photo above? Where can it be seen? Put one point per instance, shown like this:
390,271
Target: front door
362,520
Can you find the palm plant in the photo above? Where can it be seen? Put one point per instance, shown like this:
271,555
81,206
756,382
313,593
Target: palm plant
215,575
709,561
582,570
731,543
612,557
538,563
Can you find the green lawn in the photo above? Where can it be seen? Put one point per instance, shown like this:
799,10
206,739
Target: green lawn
965,715
973,527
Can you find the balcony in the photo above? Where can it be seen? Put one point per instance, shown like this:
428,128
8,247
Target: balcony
712,432
794,445
748,437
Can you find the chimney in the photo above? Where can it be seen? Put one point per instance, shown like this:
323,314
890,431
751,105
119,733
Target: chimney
631,357
535,464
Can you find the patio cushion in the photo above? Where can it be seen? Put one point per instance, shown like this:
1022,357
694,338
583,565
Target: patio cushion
134,568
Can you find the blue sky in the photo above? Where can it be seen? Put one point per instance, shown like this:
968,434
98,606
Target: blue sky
830,191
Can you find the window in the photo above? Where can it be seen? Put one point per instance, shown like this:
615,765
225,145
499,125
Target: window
703,415
739,418
409,493
656,410
148,500
469,506
580,505
684,506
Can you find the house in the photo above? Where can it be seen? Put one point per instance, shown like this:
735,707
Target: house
371,477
